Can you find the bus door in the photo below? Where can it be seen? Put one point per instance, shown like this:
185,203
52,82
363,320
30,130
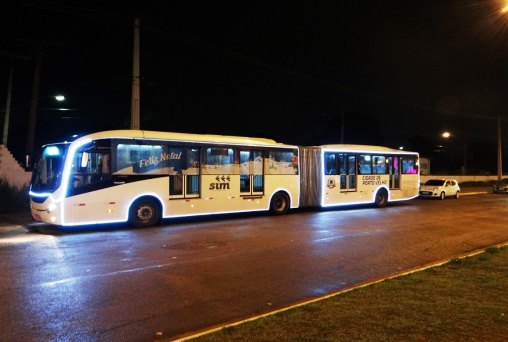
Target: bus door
183,172
251,172
394,171
347,172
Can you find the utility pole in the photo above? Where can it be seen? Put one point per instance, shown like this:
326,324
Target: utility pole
7,112
135,106
7,107
342,123
499,153
32,118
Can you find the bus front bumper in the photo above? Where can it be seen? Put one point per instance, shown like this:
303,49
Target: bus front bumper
44,212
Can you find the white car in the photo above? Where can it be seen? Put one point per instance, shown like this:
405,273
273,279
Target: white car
440,188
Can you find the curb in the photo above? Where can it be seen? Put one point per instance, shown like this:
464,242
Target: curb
366,283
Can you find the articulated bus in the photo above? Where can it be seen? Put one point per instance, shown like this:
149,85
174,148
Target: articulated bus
142,177
336,175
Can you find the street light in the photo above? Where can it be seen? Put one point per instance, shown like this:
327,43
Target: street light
504,8
33,118
448,135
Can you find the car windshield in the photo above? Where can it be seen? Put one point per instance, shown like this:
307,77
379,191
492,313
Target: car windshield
437,182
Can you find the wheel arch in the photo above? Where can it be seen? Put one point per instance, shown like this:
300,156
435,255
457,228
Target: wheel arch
152,196
275,194
293,202
381,190
385,189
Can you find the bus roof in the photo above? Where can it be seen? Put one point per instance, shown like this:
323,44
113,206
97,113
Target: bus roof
364,148
187,137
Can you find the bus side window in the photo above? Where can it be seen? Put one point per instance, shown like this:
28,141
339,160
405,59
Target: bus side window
220,160
331,164
105,164
103,167
379,164
365,164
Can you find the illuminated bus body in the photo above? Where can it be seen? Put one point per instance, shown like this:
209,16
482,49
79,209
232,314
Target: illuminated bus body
336,175
142,177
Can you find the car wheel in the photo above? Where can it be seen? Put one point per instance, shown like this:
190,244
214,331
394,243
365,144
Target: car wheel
442,196
145,212
457,195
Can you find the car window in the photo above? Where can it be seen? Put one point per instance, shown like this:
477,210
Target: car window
437,182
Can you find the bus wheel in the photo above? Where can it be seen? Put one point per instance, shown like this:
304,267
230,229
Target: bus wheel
279,204
145,212
381,198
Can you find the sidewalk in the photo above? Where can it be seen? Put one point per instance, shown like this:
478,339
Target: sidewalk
475,190
15,219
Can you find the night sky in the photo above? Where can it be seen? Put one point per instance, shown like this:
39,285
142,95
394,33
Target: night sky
397,73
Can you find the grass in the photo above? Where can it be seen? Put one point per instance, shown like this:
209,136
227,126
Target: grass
462,300
12,198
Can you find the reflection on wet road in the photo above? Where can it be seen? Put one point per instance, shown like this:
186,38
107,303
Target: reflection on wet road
132,284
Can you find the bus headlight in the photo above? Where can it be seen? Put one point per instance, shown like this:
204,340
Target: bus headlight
51,207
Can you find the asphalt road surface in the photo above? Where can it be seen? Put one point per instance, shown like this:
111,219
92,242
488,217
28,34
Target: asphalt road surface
167,282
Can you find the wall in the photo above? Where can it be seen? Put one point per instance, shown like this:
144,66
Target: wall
461,178
11,170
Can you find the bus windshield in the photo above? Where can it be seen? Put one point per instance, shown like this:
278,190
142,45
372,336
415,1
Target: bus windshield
46,176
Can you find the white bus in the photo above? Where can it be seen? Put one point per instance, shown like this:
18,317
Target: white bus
142,177
336,175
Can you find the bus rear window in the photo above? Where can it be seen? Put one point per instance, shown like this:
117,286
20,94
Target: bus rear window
409,165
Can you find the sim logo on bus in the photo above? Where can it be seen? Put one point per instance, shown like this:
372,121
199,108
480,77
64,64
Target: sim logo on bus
222,183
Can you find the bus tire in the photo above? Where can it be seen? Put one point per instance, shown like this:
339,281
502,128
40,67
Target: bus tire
279,204
144,212
381,199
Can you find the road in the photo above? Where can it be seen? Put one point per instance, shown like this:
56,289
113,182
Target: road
166,282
